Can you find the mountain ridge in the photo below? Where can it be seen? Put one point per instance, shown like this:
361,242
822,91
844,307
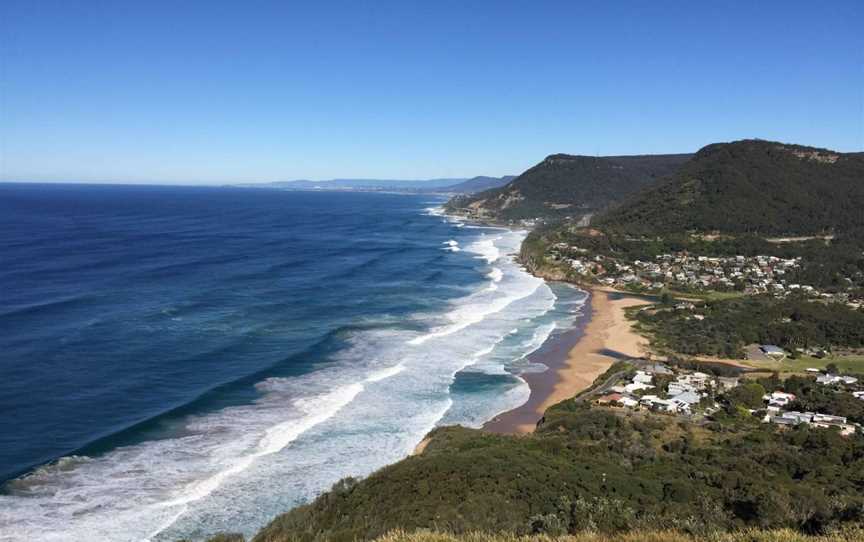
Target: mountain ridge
751,186
568,186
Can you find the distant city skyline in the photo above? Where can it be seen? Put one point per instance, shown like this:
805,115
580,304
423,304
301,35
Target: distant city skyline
219,92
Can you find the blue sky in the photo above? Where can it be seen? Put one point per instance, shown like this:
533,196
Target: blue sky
259,91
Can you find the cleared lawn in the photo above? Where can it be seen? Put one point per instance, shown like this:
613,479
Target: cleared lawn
852,364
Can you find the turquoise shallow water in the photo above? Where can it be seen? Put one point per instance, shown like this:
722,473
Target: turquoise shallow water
205,358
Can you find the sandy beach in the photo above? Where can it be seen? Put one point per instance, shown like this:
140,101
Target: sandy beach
607,337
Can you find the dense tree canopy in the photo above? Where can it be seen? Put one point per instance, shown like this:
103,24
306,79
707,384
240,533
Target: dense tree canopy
752,186
731,324
588,468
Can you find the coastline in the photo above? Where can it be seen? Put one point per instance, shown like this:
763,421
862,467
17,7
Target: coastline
575,359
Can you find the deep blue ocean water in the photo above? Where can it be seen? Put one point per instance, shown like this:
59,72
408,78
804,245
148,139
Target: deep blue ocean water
177,361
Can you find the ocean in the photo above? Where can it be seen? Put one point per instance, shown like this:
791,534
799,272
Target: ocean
178,361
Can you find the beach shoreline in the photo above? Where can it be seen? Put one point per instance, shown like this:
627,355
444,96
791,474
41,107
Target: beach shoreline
576,358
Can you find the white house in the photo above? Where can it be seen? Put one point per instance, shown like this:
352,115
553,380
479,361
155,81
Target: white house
663,405
636,386
697,380
779,398
642,376
688,398
677,387
829,379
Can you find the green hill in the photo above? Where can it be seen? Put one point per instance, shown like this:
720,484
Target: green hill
563,185
595,470
752,186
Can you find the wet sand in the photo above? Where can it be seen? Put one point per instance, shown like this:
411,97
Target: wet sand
575,359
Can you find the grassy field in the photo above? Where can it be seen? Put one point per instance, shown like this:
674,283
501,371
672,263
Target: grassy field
851,364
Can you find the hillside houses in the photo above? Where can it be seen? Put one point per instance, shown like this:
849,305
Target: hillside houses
813,419
681,271
831,379
681,395
779,401
658,388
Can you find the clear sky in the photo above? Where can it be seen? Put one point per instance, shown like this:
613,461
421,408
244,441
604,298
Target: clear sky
259,91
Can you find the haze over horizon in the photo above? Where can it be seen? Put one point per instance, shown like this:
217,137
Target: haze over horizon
215,93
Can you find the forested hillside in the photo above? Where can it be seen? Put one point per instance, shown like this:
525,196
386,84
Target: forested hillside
588,469
564,185
752,186
725,327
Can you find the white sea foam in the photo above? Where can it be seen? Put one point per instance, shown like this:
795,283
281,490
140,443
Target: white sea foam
486,249
540,335
368,406
452,245
473,313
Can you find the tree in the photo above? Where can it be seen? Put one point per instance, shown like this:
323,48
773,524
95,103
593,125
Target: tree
746,395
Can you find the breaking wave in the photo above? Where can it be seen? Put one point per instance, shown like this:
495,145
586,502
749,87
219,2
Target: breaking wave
366,405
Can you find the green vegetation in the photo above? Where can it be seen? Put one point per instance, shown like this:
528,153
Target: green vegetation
752,187
729,325
749,535
603,471
564,185
843,363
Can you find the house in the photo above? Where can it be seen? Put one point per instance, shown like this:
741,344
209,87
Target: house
827,418
687,398
726,383
609,398
628,401
678,387
643,377
663,405
779,398
697,380
636,386
829,379
793,417
827,421
812,419
657,369
773,351
654,402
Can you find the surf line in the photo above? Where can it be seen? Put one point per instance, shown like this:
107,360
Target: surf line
275,439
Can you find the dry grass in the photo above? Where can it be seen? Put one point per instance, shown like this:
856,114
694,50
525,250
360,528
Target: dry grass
783,535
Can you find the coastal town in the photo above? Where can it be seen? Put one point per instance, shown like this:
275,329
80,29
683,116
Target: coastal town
698,396
680,271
